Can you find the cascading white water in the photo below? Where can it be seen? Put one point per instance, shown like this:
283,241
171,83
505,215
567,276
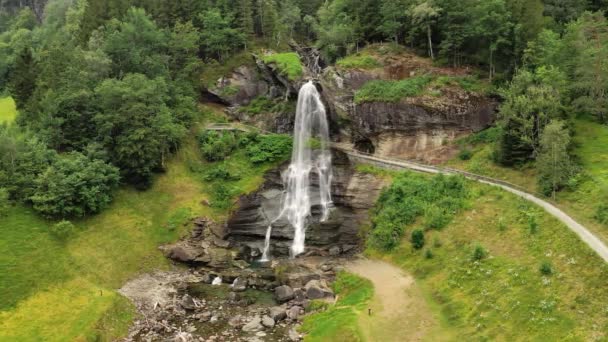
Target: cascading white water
310,154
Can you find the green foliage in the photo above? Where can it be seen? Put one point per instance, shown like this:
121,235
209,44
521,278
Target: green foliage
358,61
4,202
601,213
269,148
487,136
479,253
428,254
417,238
465,154
340,321
8,111
179,218
217,36
391,91
546,268
553,162
410,196
221,172
74,185
62,230
217,145
288,63
258,105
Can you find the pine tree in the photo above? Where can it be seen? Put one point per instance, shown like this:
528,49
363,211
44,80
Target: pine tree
246,17
23,78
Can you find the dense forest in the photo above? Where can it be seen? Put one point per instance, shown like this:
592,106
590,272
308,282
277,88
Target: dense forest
106,90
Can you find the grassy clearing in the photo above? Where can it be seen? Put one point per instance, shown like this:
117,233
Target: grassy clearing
340,321
501,294
8,111
360,60
57,292
289,64
583,200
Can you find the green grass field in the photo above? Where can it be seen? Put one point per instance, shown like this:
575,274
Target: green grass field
340,321
59,292
8,112
504,296
590,141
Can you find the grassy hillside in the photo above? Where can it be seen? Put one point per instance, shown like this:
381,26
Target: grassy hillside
8,112
78,279
589,190
504,270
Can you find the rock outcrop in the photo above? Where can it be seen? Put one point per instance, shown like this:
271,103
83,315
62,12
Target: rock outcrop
353,195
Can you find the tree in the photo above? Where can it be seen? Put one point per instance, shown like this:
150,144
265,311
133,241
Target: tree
335,30
135,125
418,238
74,186
554,165
531,101
424,15
218,38
590,86
245,17
23,78
492,28
4,202
393,18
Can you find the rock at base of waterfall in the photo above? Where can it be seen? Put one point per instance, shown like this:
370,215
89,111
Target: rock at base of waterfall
187,303
299,295
283,293
254,325
294,312
335,251
316,289
277,313
239,284
268,322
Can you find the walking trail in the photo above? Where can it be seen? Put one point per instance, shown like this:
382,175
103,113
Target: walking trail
399,311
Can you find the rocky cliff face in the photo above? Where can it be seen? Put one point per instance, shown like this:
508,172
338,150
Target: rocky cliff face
353,195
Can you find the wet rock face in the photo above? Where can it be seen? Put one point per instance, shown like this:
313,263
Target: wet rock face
353,195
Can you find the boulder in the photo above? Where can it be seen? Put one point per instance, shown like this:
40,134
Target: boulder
221,243
187,302
253,325
183,252
294,312
220,258
268,322
316,289
277,313
335,250
293,335
299,295
283,293
239,284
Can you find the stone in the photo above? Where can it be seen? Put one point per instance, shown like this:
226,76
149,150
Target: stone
283,293
221,243
348,248
326,267
277,313
294,312
314,290
242,264
335,250
234,297
220,258
205,316
299,295
268,322
183,253
239,284
253,325
293,335
301,278
236,321
187,302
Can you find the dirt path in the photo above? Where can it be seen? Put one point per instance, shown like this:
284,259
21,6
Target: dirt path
399,311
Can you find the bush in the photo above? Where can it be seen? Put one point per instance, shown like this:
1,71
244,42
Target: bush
546,268
269,148
601,213
428,254
391,91
412,195
259,105
221,172
417,238
465,154
222,196
479,252
4,202
216,146
75,186
63,230
179,218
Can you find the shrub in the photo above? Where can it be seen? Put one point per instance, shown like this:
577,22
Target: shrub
221,172
75,186
428,254
269,148
465,154
417,238
259,105
601,213
63,230
4,202
546,268
479,252
532,224
222,196
391,91
216,146
179,218
435,217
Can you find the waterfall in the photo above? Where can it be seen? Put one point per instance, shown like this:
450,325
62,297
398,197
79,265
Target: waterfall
310,155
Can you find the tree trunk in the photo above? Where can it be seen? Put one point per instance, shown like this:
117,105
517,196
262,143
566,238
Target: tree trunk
428,33
491,64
